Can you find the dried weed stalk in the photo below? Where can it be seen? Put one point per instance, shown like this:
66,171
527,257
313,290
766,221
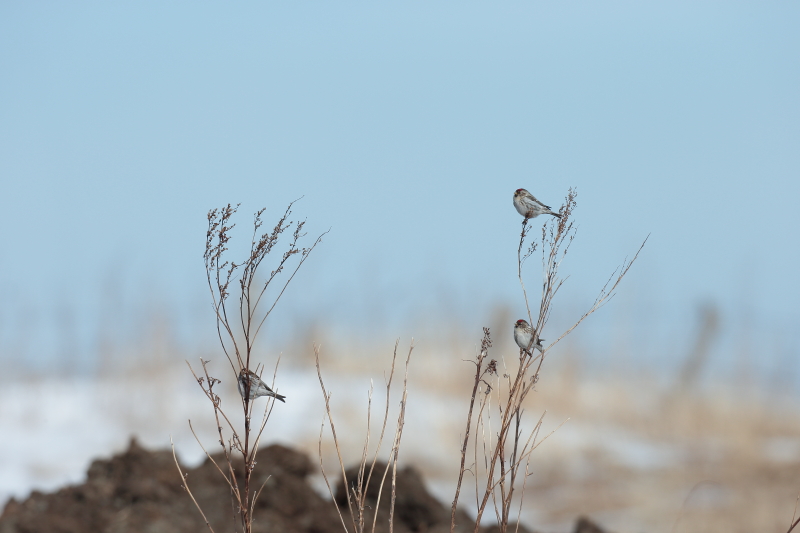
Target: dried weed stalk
502,455
237,330
794,521
356,490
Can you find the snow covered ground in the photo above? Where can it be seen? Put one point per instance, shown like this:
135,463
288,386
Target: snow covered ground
627,453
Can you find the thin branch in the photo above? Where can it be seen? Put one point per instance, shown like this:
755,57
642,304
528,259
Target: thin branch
224,476
398,435
486,343
302,260
604,295
186,486
325,476
327,399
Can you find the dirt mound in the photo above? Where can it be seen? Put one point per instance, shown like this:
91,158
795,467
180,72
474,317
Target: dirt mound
139,491
415,508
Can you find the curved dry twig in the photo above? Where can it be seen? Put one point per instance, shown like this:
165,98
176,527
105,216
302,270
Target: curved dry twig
186,486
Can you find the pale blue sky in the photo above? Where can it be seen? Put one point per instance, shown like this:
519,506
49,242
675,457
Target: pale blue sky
407,128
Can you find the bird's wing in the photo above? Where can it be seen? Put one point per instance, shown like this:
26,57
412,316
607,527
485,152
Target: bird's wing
531,199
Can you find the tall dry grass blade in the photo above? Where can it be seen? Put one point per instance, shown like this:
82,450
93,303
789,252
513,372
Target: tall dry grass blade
185,486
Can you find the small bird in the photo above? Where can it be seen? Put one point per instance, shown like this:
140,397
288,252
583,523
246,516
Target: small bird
257,387
528,206
522,335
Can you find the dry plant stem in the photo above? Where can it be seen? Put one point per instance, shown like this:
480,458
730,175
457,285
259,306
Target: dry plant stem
497,455
486,343
238,331
396,445
267,412
325,476
527,451
213,398
220,274
357,494
520,261
216,245
503,513
792,522
186,486
522,493
360,487
380,493
240,499
236,497
507,493
486,441
383,428
327,397
234,489
507,452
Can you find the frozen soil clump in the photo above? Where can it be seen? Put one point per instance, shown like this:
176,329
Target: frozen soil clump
140,491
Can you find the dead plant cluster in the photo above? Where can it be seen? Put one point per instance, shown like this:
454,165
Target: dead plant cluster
500,461
497,441
237,330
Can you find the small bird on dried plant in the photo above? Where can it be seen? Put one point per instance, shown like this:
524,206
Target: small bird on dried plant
528,206
523,332
257,387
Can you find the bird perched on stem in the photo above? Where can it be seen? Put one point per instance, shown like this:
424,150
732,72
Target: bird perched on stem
257,387
523,333
528,206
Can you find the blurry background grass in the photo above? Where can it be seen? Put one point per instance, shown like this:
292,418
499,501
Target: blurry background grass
681,442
